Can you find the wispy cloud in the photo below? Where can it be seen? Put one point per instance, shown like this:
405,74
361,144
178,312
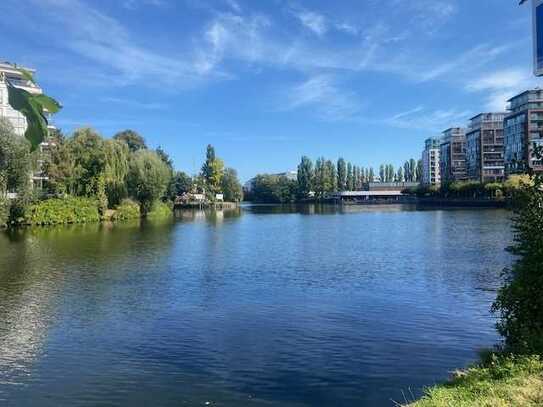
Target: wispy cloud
499,86
105,40
135,4
322,93
134,103
469,60
421,118
313,21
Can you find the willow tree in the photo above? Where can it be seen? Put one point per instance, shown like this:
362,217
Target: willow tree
116,170
148,178
34,107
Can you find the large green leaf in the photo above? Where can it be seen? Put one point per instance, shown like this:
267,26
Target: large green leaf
48,103
32,107
27,75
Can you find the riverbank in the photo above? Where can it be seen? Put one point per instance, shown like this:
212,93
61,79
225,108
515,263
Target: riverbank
497,381
79,210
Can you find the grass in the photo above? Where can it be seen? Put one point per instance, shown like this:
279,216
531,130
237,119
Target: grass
498,381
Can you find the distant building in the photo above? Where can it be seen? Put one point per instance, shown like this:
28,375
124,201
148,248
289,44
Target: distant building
484,148
377,192
452,155
523,127
431,174
11,72
390,186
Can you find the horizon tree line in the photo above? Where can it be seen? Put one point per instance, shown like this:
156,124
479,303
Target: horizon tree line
326,176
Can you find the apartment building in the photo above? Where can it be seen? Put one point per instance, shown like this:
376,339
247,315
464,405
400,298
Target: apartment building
523,127
485,147
452,155
431,174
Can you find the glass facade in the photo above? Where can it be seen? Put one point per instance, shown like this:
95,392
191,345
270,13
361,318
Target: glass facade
522,129
539,37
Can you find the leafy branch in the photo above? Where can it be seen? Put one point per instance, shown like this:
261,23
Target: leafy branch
33,107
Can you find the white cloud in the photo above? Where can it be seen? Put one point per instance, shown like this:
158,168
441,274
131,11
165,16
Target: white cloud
508,78
322,93
421,118
499,86
469,60
135,103
104,40
313,21
347,28
134,4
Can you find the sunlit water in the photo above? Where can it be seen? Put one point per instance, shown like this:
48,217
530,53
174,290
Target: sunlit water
262,306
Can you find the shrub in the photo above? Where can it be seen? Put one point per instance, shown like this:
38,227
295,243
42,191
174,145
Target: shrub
62,211
160,210
127,209
520,302
148,178
4,212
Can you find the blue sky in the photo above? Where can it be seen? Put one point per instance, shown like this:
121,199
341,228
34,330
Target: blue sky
268,81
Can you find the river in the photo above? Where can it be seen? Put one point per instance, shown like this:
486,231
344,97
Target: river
258,306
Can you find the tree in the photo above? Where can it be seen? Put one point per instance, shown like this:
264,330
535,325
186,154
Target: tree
305,177
519,303
231,187
341,175
350,177
407,171
33,107
60,168
371,175
116,171
399,175
212,172
272,189
15,160
181,183
382,173
413,170
134,141
418,173
319,178
148,178
164,156
389,173
331,174
88,152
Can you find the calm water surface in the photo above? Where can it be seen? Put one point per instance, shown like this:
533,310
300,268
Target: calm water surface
262,306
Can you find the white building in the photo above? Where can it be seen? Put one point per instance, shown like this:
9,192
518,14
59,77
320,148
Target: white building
431,174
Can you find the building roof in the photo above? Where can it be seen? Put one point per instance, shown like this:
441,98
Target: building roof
524,93
487,113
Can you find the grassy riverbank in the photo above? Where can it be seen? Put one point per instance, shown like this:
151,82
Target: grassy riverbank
498,381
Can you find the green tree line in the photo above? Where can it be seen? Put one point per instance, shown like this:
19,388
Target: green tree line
317,180
107,171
